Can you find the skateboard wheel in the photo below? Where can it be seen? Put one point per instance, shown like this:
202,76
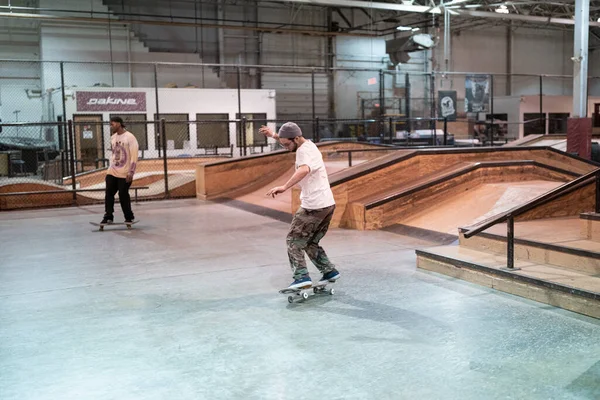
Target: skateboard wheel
331,291
290,299
101,228
305,295
315,290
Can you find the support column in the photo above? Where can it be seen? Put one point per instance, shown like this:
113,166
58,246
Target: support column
579,127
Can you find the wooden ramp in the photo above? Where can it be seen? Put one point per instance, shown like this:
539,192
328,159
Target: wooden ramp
395,187
247,180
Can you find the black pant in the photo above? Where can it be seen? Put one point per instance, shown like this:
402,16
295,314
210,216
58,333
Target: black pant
114,185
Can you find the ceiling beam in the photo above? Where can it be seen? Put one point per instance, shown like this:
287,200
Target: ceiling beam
337,10
437,10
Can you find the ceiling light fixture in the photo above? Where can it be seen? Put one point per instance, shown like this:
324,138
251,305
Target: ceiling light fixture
502,9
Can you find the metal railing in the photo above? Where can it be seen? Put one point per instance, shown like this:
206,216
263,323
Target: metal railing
509,216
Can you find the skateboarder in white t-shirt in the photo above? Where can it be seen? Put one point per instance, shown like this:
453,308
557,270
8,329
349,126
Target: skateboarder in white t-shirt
119,176
311,221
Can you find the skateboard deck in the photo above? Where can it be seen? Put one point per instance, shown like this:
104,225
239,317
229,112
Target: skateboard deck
129,224
302,293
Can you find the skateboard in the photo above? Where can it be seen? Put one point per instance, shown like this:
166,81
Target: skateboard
114,224
303,292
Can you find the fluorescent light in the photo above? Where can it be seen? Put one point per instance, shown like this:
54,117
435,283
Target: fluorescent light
416,29
404,28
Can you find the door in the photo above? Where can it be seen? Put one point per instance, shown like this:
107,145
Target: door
596,115
88,137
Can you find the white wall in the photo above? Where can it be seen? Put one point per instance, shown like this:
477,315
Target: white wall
19,41
352,86
190,101
534,51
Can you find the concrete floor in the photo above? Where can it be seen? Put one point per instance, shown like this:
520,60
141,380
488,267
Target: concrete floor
186,307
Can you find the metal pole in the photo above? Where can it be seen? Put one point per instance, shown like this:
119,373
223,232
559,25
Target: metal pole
407,96
349,158
317,126
447,38
157,137
580,66
381,92
542,116
312,85
63,137
492,108
62,90
72,158
510,242
163,135
433,124
239,90
244,140
445,131
112,66
391,130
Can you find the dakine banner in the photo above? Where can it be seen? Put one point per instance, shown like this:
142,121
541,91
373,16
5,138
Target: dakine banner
111,101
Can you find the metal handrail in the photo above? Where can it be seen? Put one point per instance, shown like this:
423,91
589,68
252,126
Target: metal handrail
510,215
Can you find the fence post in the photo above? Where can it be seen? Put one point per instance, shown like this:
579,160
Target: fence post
314,113
510,236
492,109
445,131
391,130
318,134
72,158
407,102
163,135
239,91
381,93
159,141
244,139
542,116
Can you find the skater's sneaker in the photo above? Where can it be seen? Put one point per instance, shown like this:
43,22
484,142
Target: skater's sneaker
301,283
129,221
107,220
330,276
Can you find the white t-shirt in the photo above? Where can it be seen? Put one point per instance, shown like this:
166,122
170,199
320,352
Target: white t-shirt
124,155
316,192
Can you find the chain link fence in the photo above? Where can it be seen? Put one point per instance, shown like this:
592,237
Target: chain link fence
380,106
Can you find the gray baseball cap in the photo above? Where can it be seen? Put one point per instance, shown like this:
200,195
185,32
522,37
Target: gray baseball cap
289,130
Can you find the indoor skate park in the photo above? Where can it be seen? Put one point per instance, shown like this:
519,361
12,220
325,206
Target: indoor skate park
461,142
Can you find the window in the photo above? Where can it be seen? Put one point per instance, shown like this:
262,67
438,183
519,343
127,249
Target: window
557,122
253,136
535,124
176,132
212,134
136,124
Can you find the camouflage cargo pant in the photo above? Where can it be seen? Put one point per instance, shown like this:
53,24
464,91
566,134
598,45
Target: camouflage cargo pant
307,229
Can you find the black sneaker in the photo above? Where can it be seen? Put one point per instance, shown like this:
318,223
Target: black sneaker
129,221
107,220
330,276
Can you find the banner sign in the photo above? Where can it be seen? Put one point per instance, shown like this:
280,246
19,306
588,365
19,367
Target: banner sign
111,101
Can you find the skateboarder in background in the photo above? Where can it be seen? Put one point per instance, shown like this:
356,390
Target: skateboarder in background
311,221
123,161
